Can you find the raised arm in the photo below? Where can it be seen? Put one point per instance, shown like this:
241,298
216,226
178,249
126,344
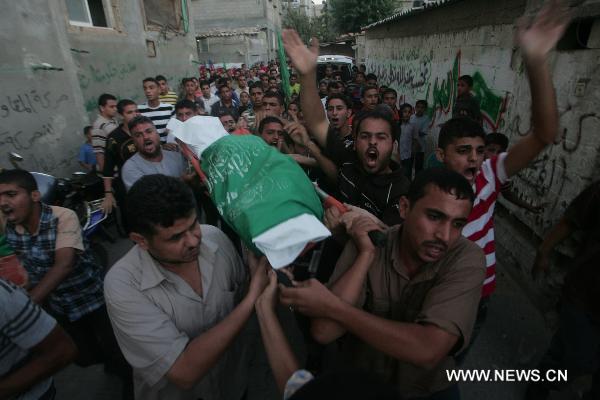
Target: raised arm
304,60
536,39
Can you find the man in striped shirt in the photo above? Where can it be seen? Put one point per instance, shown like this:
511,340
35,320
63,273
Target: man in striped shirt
103,126
32,346
461,141
158,112
167,96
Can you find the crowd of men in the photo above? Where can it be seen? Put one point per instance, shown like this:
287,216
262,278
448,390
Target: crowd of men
190,313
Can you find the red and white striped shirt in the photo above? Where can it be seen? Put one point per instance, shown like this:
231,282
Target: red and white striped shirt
480,225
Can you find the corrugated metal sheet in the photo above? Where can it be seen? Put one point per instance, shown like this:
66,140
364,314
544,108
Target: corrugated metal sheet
409,13
229,32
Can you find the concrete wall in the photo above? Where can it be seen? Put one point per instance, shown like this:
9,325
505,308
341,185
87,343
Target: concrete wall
235,49
475,37
43,112
117,60
230,14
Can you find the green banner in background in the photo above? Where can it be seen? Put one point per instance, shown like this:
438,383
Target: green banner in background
285,73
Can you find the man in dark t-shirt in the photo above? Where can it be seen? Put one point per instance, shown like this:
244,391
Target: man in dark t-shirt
119,148
371,180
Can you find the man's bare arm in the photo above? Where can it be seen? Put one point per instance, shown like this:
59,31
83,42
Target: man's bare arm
350,285
536,41
50,355
422,345
304,60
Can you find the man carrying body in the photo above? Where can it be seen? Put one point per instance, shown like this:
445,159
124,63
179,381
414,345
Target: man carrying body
270,130
185,109
158,112
103,126
409,306
150,157
177,299
167,96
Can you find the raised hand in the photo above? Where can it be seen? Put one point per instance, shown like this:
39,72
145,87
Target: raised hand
309,297
258,274
108,203
304,59
268,299
537,36
359,229
298,133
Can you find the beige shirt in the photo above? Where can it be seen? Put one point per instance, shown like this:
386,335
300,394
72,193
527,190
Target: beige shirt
155,313
445,293
101,128
68,230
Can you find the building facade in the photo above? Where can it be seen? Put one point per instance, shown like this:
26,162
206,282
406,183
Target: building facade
236,31
59,56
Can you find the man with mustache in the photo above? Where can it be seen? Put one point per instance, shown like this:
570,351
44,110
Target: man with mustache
408,307
180,298
367,178
150,157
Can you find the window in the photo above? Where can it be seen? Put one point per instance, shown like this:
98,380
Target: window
87,13
203,45
163,14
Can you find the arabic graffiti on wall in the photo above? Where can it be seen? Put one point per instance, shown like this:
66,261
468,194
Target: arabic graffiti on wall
413,77
33,123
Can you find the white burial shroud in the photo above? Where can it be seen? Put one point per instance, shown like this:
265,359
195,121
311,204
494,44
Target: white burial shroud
284,242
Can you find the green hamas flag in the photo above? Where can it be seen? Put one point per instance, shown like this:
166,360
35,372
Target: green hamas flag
255,187
285,73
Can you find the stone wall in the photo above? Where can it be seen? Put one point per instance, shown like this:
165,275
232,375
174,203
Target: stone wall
43,111
475,37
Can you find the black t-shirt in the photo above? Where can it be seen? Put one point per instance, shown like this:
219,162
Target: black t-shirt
119,147
339,150
378,194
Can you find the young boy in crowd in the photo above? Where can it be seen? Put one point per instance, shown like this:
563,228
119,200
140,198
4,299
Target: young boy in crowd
421,121
87,158
496,144
461,143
